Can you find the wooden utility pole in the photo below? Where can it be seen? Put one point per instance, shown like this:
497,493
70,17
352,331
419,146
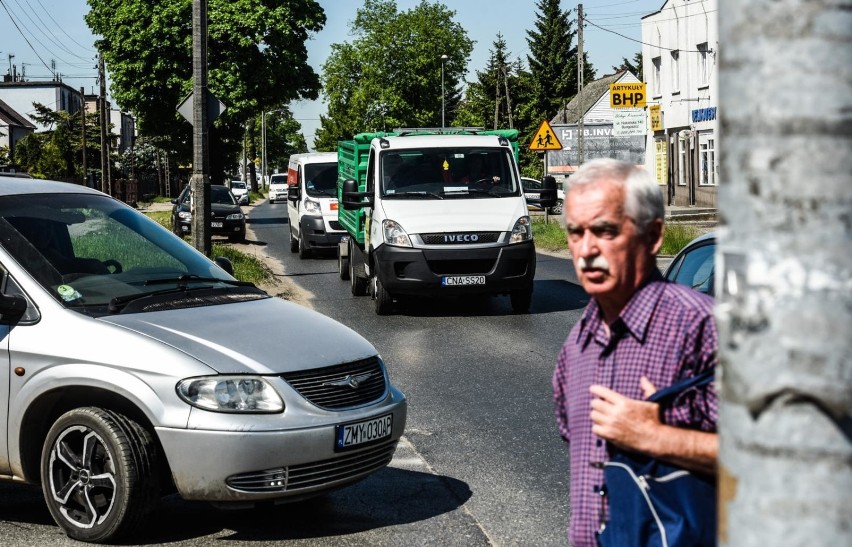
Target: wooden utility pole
497,98
103,119
784,287
200,186
508,97
580,141
83,133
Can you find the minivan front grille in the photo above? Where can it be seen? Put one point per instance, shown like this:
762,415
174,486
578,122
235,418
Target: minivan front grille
339,470
341,386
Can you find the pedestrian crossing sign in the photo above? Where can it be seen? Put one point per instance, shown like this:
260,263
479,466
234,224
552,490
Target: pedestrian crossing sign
545,139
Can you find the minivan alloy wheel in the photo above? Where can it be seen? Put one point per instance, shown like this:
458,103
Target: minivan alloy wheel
98,474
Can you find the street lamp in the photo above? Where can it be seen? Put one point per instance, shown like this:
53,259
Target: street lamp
443,95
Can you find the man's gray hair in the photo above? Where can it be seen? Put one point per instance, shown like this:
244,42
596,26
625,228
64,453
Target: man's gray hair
643,200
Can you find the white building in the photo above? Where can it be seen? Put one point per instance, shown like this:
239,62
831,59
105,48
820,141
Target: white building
57,96
679,56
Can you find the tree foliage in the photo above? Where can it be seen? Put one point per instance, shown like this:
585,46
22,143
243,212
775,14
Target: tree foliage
257,61
390,74
553,58
634,66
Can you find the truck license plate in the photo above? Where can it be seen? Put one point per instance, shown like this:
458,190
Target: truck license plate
358,433
463,280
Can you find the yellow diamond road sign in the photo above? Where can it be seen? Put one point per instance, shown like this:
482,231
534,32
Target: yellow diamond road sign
545,138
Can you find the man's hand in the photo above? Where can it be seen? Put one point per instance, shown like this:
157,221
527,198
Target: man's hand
625,422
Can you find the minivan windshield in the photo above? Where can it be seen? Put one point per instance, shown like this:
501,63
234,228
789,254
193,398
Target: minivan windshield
448,173
97,256
321,179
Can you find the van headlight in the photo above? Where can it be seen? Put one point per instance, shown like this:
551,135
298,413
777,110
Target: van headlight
394,234
231,394
522,231
312,207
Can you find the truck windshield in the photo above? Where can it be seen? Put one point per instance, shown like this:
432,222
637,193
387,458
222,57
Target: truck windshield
321,179
448,173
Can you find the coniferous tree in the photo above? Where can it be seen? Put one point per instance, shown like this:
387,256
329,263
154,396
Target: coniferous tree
553,58
634,66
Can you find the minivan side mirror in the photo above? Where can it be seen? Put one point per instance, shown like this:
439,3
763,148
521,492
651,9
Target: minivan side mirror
352,198
224,263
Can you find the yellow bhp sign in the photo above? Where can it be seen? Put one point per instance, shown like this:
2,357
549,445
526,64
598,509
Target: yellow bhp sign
630,95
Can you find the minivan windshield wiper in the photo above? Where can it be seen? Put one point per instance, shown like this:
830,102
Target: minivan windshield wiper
488,192
181,285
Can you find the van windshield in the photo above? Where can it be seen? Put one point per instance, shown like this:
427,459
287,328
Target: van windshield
321,179
448,173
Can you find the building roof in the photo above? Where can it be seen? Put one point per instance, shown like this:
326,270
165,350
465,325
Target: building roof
591,94
11,117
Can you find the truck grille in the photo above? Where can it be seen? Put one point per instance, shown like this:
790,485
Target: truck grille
462,238
339,470
342,386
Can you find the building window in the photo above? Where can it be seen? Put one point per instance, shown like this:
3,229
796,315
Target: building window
707,159
682,151
656,61
675,72
703,65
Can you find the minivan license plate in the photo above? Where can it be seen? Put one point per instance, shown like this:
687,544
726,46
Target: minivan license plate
463,280
358,433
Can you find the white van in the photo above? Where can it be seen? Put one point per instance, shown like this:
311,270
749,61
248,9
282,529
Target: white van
312,203
277,187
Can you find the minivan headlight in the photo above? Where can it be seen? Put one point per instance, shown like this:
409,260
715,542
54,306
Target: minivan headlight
231,394
312,207
394,234
522,231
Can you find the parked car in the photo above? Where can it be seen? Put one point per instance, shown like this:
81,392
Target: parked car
241,191
125,372
227,218
278,187
532,190
694,266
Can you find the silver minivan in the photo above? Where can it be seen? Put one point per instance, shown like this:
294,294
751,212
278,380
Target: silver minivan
125,373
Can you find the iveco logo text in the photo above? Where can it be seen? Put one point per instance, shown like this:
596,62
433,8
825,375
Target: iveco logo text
461,238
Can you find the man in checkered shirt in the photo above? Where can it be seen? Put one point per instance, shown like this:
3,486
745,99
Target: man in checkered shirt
638,332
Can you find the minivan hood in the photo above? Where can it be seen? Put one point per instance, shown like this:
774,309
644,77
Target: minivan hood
269,336
419,216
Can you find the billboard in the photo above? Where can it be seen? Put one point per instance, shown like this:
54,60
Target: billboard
599,141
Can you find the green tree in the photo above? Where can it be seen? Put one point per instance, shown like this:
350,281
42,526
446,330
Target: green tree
553,58
634,66
257,61
390,74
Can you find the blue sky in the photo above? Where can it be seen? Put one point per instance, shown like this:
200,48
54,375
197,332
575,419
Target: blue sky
57,33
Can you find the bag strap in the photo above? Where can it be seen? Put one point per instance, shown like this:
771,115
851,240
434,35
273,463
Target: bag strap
669,393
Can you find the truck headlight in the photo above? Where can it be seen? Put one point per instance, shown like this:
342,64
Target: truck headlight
231,394
312,207
522,231
394,234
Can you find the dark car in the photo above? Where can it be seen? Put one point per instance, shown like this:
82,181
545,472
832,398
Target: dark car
694,265
226,217
532,190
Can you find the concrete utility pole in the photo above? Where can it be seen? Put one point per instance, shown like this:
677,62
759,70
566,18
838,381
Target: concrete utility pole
580,140
200,155
784,274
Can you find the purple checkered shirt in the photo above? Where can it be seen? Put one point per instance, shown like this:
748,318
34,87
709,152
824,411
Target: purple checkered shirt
666,332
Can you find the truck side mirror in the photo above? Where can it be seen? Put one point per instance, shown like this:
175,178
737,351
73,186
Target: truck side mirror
352,198
293,193
548,196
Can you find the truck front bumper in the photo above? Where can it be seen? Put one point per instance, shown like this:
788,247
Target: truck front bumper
407,271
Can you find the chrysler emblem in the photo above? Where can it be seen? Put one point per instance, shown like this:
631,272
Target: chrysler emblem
350,381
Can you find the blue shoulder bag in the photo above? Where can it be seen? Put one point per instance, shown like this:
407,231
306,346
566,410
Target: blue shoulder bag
653,503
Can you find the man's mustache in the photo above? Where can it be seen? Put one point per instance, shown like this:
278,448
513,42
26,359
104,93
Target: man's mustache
596,263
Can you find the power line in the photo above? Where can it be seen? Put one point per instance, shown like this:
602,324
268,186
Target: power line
60,27
42,27
643,43
2,3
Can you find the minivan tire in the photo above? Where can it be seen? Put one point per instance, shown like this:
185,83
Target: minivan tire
294,243
93,457
304,251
